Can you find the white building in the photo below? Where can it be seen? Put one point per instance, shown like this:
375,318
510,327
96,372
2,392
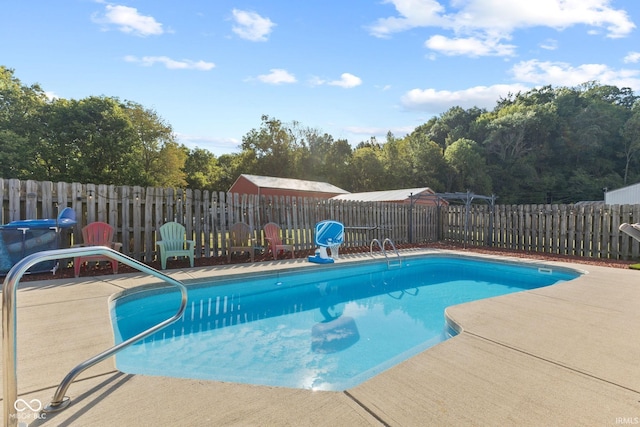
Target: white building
629,195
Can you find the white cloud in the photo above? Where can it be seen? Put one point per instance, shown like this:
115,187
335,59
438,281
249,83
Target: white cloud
469,46
506,16
484,23
316,81
128,20
527,74
413,13
251,26
434,101
632,58
346,81
277,76
171,64
549,44
563,74
217,145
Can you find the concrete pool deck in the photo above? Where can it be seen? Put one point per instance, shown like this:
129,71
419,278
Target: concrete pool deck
567,354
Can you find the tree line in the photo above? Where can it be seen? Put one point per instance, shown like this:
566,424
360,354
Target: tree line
546,145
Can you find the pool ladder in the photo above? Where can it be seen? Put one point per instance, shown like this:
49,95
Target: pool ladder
9,327
390,262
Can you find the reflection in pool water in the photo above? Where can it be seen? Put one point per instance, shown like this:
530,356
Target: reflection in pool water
336,332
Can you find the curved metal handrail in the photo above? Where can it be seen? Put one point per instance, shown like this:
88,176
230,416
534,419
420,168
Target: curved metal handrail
394,250
384,251
380,245
392,245
9,316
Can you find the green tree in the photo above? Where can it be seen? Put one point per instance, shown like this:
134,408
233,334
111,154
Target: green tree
365,169
631,138
506,139
149,134
272,146
14,156
230,167
310,150
592,117
468,167
430,168
105,141
20,115
202,170
453,124
562,144
397,164
338,163
172,160
57,155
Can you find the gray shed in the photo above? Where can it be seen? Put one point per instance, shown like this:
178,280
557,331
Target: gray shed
629,195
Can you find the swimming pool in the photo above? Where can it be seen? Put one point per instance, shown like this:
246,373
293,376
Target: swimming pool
329,328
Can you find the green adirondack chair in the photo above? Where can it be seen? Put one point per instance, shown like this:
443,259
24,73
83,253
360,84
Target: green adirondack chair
174,243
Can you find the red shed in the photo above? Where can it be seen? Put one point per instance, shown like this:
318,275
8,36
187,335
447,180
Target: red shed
273,186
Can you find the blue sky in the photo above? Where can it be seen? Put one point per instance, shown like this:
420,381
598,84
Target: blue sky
351,68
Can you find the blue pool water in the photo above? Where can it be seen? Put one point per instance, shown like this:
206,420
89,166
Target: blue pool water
328,329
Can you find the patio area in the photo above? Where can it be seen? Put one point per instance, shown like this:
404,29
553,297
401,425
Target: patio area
566,354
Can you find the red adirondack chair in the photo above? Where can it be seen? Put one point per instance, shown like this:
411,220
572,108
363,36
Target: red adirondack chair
97,234
272,234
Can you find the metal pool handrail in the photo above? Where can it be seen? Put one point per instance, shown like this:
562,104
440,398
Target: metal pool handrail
9,316
384,252
379,244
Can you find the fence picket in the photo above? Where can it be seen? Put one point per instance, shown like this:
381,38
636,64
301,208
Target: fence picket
47,200
149,241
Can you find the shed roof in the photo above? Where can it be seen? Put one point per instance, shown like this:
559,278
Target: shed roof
400,195
293,184
629,195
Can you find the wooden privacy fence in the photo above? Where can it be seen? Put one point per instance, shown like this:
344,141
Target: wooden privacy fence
137,213
577,230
